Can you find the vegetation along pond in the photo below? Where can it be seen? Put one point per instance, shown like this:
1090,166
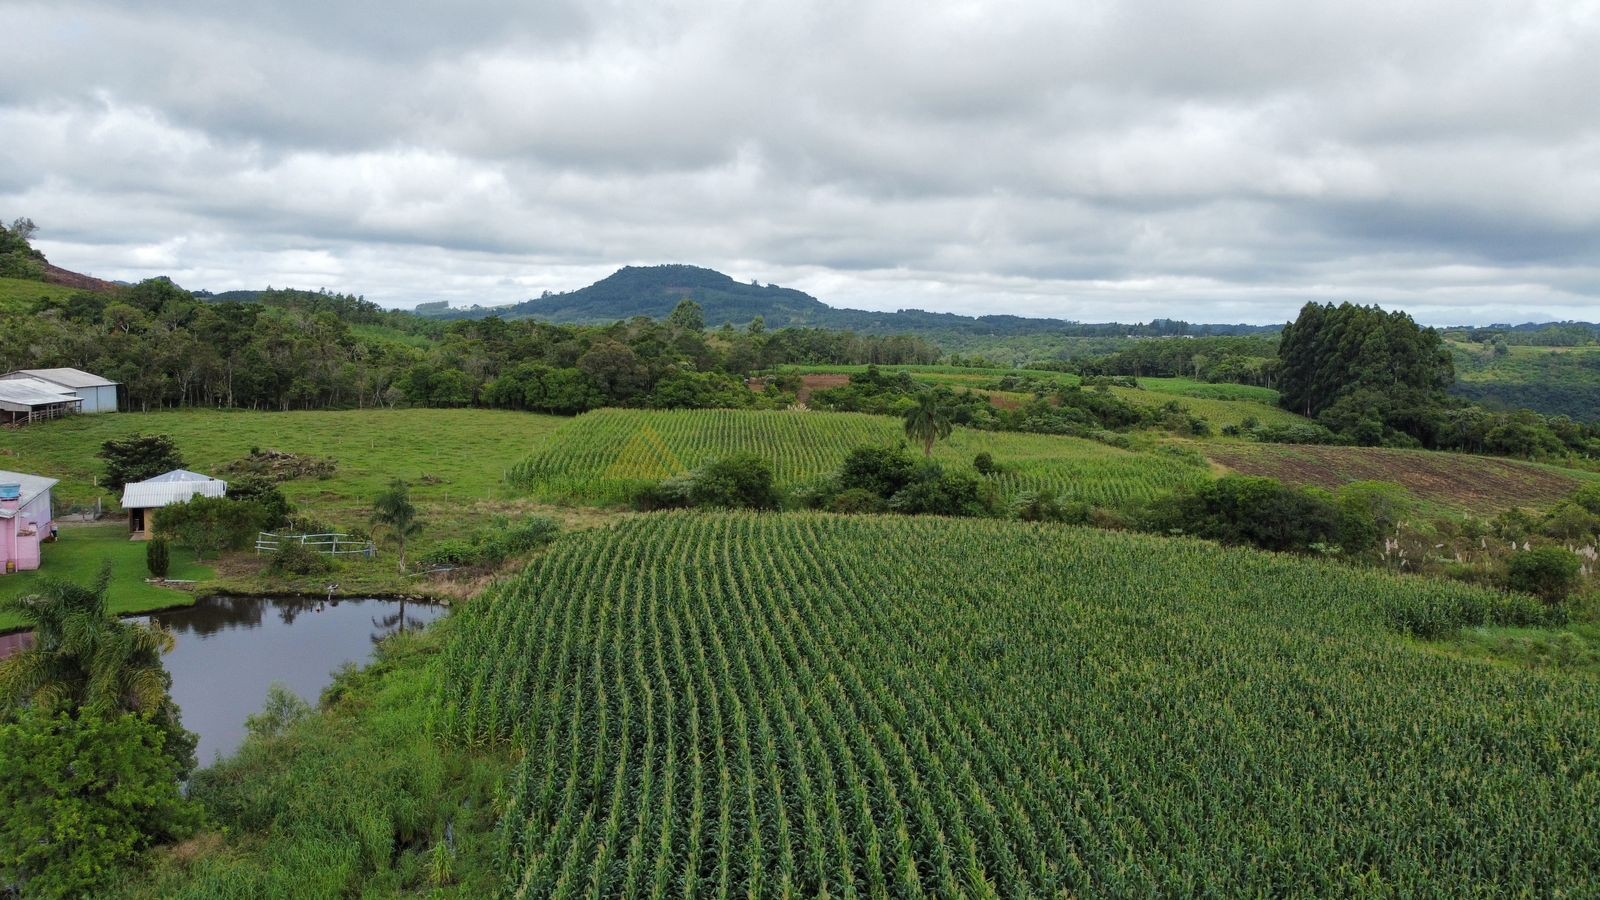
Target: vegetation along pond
230,650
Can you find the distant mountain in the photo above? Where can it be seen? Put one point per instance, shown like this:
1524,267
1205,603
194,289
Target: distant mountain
655,290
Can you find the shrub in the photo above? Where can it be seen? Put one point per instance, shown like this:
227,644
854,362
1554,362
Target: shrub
939,493
295,558
879,470
1549,573
736,481
857,500
670,494
984,463
1258,512
210,524
158,557
265,494
1047,506
453,552
83,795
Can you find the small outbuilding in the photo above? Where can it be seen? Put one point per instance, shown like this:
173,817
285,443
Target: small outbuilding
27,520
98,394
142,498
25,400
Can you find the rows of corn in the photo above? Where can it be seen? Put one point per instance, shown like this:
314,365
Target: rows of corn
608,455
717,705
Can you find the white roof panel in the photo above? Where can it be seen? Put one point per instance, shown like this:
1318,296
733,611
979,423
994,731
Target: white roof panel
72,378
33,392
172,487
32,487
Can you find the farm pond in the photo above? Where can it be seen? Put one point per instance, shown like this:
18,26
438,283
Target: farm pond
231,650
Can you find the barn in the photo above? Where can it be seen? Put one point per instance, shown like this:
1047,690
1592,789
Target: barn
98,394
142,498
26,520
25,400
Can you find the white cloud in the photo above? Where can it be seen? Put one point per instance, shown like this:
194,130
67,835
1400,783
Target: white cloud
1095,160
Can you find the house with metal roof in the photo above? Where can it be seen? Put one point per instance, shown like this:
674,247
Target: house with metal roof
142,498
98,394
24,400
27,520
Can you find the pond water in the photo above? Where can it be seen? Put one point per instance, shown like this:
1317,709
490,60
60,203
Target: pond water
230,650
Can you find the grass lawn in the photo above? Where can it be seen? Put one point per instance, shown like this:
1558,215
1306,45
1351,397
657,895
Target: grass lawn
78,555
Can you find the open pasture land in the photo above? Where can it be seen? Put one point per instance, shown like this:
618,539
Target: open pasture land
809,705
607,456
447,455
1478,484
17,295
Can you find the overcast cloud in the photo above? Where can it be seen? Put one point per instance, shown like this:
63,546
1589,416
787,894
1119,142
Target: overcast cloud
1216,161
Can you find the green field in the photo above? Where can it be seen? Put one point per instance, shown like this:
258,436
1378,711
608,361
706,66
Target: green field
606,456
808,705
81,551
17,295
448,455
1219,404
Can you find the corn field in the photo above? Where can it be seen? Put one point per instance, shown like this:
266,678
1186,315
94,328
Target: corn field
818,706
607,456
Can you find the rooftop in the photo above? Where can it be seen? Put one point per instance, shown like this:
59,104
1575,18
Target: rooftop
32,486
34,392
72,378
177,486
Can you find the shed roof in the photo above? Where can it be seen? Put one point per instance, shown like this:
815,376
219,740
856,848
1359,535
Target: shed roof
177,486
34,392
32,487
72,378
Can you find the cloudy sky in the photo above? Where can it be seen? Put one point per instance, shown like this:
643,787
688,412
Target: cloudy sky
1088,159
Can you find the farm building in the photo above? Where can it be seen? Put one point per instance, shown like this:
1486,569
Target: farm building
142,498
98,394
26,520
25,400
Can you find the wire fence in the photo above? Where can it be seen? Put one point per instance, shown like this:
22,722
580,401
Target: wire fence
330,544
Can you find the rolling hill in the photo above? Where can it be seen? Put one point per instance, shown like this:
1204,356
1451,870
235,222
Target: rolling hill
654,291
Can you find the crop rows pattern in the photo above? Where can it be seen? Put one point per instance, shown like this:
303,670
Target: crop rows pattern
607,455
718,705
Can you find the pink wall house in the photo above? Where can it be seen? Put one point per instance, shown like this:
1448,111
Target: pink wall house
26,520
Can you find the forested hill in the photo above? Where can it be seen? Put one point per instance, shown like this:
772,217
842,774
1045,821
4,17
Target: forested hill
655,290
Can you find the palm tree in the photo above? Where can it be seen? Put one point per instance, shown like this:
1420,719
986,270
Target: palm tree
394,512
82,656
928,421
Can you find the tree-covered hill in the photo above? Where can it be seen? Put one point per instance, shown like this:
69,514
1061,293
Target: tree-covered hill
655,290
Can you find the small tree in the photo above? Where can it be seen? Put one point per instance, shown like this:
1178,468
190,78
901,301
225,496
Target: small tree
158,557
1549,573
928,421
984,463
393,512
138,457
739,480
687,316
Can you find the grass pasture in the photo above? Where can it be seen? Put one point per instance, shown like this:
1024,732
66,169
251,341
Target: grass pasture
808,705
606,456
1477,484
17,295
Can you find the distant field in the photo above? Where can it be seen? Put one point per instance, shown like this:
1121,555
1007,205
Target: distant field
18,294
809,706
606,456
1551,380
449,456
80,553
1474,483
1218,404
